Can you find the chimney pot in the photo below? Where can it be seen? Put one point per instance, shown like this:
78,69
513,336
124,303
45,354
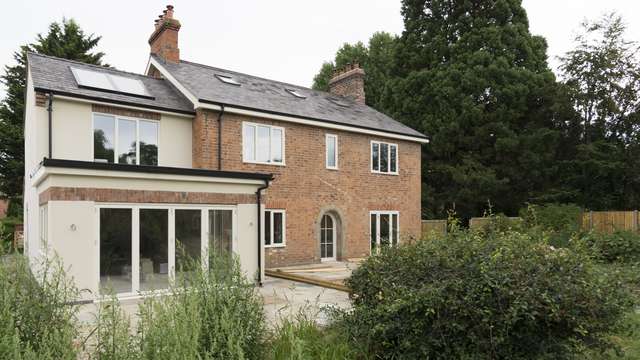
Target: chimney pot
164,39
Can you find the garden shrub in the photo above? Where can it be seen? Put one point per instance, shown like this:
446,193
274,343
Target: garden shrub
36,319
560,221
620,245
473,295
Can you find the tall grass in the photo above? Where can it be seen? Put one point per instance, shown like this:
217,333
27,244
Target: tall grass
36,320
300,338
212,313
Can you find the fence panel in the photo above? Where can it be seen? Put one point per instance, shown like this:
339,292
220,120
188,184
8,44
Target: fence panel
610,221
434,226
480,222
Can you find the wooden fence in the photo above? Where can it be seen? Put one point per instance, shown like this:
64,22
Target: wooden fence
603,221
480,222
610,221
434,226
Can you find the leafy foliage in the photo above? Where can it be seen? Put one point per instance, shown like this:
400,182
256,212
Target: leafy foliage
301,338
66,40
36,321
619,246
602,78
209,314
495,295
375,59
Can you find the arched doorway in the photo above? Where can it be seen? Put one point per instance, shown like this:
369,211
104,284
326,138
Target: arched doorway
328,238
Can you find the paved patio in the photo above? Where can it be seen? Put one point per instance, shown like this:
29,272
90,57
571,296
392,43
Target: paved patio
282,298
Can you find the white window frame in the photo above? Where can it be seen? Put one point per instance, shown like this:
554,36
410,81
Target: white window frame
271,228
326,150
377,213
255,143
44,229
135,238
389,145
116,136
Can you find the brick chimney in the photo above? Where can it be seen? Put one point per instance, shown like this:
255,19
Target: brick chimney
348,82
164,40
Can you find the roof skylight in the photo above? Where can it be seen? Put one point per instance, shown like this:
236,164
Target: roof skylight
109,82
227,80
296,93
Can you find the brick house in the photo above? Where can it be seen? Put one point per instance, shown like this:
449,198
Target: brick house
125,172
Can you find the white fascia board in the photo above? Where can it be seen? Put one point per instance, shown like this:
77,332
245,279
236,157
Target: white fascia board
106,103
327,125
197,104
173,81
45,172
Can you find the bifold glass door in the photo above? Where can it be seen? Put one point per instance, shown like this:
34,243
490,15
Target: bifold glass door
220,231
141,248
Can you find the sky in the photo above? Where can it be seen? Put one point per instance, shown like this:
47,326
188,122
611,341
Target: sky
285,40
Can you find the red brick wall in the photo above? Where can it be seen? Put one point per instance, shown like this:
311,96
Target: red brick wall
306,189
141,196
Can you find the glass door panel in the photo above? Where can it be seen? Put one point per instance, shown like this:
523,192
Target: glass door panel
154,249
188,225
327,238
385,229
115,250
220,231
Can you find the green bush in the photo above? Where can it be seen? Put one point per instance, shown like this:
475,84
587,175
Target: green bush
560,221
473,295
36,320
620,245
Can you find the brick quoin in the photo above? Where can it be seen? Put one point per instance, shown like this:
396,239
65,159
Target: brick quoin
306,189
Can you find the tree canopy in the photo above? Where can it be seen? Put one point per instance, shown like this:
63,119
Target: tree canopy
503,129
66,40
375,58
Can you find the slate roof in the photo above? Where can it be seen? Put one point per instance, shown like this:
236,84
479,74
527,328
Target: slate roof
271,96
54,74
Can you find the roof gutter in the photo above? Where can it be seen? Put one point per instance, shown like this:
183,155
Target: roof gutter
95,99
244,110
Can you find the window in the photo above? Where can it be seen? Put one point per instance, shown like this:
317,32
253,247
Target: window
262,144
124,140
227,80
296,93
43,228
384,229
384,158
274,228
109,82
331,143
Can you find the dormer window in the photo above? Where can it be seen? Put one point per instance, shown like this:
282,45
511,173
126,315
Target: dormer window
296,93
227,80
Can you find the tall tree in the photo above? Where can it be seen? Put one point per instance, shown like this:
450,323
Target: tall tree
470,75
602,78
375,59
66,40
